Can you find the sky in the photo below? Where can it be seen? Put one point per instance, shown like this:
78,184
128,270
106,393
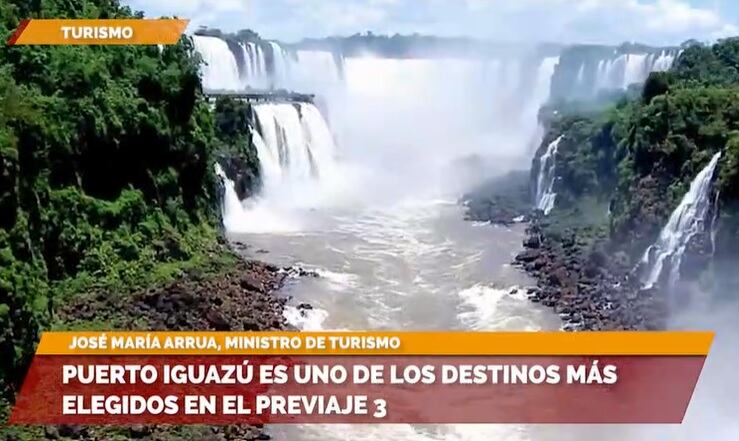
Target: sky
655,22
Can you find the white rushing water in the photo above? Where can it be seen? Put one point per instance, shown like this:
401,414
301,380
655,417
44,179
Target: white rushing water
482,117
546,177
300,70
297,157
221,71
374,214
620,71
254,70
687,220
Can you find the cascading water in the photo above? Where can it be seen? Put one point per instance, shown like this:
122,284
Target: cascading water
685,222
540,95
580,75
254,73
231,207
545,195
221,71
665,60
308,71
280,63
636,69
398,254
296,152
627,69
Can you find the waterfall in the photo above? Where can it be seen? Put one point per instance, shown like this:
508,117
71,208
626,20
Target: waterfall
285,137
317,71
685,222
220,71
386,114
636,69
296,154
665,60
540,96
308,71
254,74
543,84
580,75
231,207
225,70
545,195
280,64
618,72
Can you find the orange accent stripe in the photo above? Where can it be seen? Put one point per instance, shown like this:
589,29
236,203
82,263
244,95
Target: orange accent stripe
129,31
410,343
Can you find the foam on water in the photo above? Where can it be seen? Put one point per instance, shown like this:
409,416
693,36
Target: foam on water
485,307
305,319
397,254
337,280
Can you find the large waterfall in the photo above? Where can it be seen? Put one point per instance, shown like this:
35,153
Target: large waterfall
685,222
221,71
546,176
617,72
296,154
406,126
244,65
294,144
253,71
628,69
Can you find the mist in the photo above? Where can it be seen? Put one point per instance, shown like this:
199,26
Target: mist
406,132
428,127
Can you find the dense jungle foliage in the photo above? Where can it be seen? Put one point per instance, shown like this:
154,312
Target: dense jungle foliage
638,157
106,171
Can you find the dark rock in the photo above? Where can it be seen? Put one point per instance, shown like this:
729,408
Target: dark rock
138,431
583,285
71,431
539,263
217,321
239,170
559,277
529,255
252,283
532,241
51,432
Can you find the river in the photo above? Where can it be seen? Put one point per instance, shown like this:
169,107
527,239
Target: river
413,265
366,197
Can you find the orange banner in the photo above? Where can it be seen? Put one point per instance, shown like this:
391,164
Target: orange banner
376,343
98,32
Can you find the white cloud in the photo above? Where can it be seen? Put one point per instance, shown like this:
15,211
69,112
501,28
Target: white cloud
651,21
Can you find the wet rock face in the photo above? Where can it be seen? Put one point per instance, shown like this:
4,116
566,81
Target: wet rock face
503,200
589,288
697,256
242,172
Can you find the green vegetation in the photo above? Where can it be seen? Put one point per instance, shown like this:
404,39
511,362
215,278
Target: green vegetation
106,172
639,156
